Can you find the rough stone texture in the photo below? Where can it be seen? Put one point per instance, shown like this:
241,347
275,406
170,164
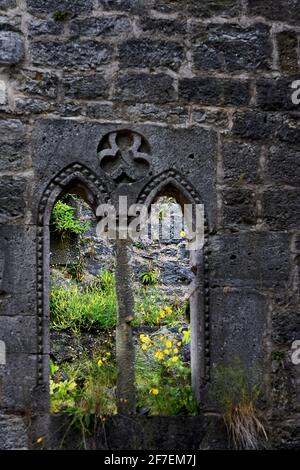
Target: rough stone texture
85,87
105,26
239,260
231,48
191,432
275,94
277,11
44,6
13,433
287,47
151,53
12,198
255,125
13,145
214,91
77,55
143,87
7,4
207,85
239,208
283,165
11,47
281,208
240,162
239,326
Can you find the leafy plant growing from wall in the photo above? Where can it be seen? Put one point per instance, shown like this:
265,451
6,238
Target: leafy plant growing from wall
65,221
237,398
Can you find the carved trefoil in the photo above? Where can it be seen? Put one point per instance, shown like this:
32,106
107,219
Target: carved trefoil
125,156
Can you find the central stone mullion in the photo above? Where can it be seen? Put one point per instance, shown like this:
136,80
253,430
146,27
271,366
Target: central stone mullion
126,400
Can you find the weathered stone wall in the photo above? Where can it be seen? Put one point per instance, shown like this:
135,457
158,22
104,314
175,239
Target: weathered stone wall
214,76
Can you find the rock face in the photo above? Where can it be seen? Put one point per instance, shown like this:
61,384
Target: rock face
206,89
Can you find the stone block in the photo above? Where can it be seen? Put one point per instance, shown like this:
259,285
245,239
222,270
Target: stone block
204,9
213,91
38,83
11,47
239,208
289,10
275,94
255,125
145,87
151,53
85,86
37,27
13,146
72,54
18,248
240,162
165,26
231,48
106,26
12,198
281,209
71,6
13,433
239,328
283,165
252,259
287,43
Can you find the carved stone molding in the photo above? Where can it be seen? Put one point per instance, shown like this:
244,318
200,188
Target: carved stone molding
180,181
74,172
125,156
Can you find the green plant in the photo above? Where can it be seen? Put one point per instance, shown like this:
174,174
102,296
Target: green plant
152,308
87,395
237,398
64,220
149,278
278,355
61,15
76,269
163,379
74,307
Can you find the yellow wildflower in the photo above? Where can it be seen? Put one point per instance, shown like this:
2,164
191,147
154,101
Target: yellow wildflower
161,338
175,351
182,233
159,354
144,347
168,310
146,339
100,363
179,343
167,352
174,358
162,313
168,344
154,391
39,440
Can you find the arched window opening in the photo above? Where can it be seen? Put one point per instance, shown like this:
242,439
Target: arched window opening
83,312
162,325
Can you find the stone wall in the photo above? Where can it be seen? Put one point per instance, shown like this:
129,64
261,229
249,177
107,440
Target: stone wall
214,77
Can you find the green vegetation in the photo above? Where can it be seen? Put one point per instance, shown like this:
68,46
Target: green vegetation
65,222
153,309
237,398
74,307
61,15
86,391
162,377
149,278
76,270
